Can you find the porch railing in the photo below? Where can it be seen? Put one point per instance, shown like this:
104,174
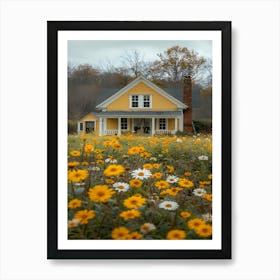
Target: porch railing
164,132
111,132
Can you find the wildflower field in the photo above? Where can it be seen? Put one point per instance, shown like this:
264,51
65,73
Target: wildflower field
137,187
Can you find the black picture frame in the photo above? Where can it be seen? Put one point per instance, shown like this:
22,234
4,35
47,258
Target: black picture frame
53,27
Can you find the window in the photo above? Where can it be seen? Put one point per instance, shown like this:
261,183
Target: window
134,101
162,124
141,101
124,124
81,126
146,101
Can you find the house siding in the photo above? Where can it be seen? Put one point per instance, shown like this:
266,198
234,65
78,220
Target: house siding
90,117
158,101
112,123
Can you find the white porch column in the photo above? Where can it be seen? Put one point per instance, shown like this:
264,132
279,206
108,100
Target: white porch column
181,125
100,126
153,126
119,126
176,124
105,124
78,128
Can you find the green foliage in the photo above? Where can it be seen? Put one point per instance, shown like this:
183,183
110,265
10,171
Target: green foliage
203,126
72,127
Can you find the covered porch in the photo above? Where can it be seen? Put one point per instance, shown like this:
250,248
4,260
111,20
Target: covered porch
147,123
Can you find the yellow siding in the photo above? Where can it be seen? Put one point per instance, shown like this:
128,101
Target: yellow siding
88,117
112,123
158,101
171,124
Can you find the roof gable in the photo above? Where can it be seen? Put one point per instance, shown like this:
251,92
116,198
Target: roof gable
135,82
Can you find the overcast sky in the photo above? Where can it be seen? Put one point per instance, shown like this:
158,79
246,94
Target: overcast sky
102,52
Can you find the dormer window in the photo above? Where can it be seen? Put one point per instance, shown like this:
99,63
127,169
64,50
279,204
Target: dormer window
141,101
134,101
146,101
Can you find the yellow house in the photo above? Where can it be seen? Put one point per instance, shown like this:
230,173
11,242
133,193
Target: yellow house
143,108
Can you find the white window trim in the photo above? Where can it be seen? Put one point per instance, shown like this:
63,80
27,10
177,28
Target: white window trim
140,101
166,124
128,121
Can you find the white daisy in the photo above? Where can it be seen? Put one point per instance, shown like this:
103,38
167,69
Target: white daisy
141,173
178,140
207,217
153,159
110,160
121,187
203,157
73,223
147,227
169,205
199,192
79,184
95,168
172,179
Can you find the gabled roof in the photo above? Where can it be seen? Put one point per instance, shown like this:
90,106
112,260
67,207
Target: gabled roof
138,80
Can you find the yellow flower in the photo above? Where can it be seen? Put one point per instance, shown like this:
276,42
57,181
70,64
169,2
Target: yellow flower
99,161
99,157
157,175
84,215
88,148
100,193
107,143
84,163
135,235
161,184
185,183
172,191
195,223
208,197
148,166
133,151
141,149
114,170
110,181
130,214
170,169
185,214
77,175
116,145
72,164
120,233
145,155
134,201
204,182
136,183
156,165
188,174
75,153
204,230
210,176
176,234
74,203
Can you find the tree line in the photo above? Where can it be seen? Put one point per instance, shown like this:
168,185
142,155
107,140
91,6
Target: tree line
87,82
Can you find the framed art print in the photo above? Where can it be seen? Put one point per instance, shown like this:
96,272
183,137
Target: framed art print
139,140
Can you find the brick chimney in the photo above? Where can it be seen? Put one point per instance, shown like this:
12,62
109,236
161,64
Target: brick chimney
188,102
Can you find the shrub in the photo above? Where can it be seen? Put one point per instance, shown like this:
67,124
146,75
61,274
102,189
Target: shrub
72,127
203,126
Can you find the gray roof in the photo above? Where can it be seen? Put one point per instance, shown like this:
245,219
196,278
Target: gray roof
138,113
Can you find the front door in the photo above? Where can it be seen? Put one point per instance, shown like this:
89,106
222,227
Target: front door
90,126
142,126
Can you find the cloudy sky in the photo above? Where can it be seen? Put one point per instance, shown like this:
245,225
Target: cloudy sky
101,52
